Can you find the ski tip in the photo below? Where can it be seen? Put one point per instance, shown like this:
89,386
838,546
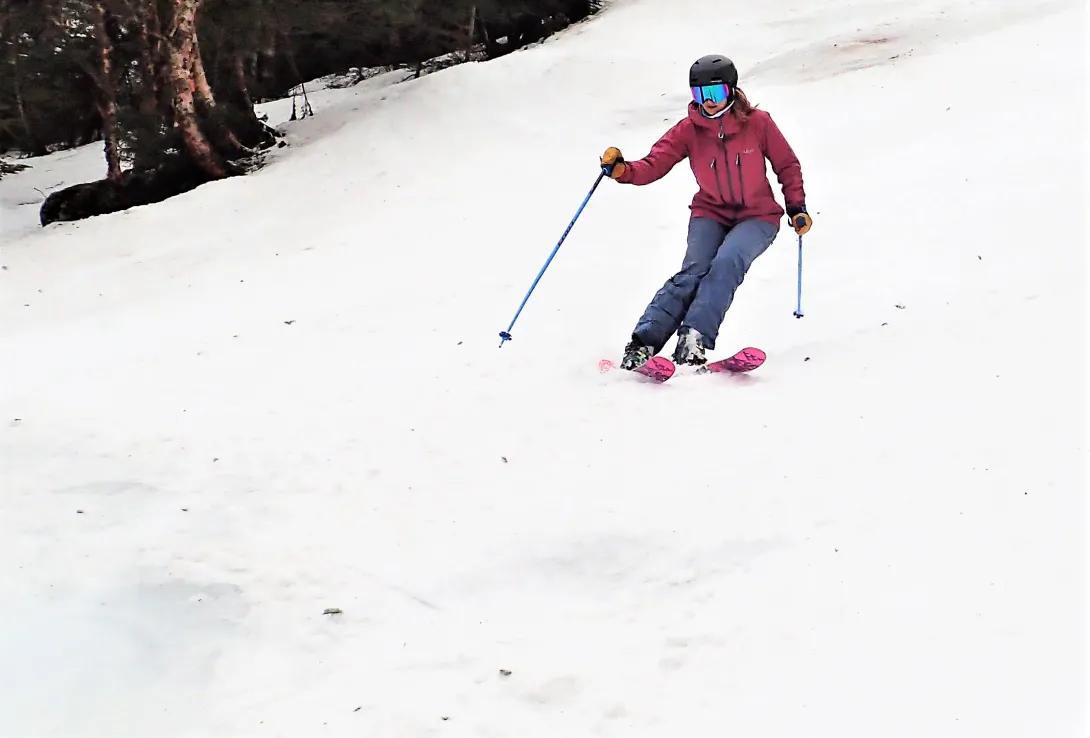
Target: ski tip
744,360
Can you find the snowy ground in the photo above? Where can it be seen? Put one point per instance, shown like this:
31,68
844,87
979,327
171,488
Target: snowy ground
223,414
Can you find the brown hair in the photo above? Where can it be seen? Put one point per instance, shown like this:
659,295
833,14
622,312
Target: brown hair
742,106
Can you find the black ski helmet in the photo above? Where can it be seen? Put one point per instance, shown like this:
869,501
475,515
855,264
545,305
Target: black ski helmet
713,69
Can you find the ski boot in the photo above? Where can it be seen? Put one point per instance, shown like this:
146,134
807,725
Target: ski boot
636,354
690,349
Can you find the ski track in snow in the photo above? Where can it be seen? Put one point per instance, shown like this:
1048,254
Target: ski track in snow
223,414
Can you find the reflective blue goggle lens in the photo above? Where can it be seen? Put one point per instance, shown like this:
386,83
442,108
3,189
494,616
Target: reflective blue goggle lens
715,93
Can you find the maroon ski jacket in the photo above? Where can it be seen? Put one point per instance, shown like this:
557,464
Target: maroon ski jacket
728,160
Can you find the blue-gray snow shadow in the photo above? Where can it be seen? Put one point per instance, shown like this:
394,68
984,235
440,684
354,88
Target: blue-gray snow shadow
131,662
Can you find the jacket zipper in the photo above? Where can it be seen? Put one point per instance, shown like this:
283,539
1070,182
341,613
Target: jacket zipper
718,182
726,162
741,182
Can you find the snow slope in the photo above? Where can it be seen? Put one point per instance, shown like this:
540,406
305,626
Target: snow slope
223,414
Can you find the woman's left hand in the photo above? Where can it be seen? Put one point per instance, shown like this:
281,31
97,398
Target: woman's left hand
800,219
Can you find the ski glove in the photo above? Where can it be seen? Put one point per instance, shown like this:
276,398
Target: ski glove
613,163
800,219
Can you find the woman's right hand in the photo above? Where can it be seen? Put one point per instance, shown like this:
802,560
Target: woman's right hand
613,163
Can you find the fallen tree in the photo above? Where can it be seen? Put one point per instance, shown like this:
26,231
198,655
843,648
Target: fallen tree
7,167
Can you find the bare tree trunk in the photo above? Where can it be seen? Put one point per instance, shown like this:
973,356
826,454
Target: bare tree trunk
154,106
268,53
107,98
147,21
238,77
159,62
472,30
18,90
226,141
181,37
289,55
202,91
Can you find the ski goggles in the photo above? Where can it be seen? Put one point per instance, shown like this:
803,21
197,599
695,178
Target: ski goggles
716,93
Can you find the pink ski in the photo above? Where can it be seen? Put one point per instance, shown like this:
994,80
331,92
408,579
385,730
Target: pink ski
658,368
745,360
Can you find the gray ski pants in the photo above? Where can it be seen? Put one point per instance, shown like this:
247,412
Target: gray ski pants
698,296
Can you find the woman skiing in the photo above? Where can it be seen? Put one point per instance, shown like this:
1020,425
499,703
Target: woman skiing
734,215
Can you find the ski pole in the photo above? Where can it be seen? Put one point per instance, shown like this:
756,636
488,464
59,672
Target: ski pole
798,306
506,335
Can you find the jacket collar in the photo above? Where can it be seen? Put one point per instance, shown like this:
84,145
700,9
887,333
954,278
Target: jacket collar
727,124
